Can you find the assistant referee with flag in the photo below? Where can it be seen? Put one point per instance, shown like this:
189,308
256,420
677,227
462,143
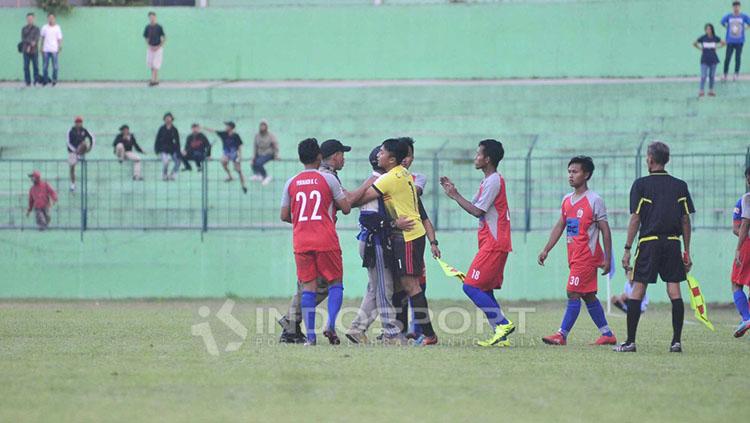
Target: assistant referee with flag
660,206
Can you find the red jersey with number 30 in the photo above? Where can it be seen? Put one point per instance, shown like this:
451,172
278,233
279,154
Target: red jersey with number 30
581,214
311,196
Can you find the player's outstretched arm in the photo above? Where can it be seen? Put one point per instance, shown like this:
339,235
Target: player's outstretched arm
607,241
554,236
286,214
452,192
344,205
633,225
364,194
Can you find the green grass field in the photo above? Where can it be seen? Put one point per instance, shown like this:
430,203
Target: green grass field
137,361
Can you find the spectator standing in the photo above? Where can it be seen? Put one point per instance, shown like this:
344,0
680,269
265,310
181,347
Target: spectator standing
155,38
707,44
197,148
266,148
232,146
735,23
124,145
41,198
80,142
167,147
30,35
51,47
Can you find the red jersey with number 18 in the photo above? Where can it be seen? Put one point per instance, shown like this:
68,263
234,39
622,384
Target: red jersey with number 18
311,195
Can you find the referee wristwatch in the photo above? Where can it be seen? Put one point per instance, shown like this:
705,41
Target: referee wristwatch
435,243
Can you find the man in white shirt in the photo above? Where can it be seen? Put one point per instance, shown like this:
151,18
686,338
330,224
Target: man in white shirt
51,48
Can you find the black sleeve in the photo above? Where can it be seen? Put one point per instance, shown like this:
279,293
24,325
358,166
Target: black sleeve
117,141
176,139
161,31
156,141
239,140
135,144
635,196
145,32
206,145
686,200
422,212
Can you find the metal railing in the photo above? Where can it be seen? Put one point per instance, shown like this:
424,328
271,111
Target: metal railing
106,197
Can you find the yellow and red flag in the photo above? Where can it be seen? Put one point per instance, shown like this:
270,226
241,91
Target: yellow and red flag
451,271
697,302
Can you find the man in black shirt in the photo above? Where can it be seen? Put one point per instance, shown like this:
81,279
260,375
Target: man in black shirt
155,38
80,142
124,145
167,146
30,48
660,205
197,148
232,149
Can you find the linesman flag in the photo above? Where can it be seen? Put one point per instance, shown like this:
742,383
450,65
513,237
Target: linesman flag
451,271
697,302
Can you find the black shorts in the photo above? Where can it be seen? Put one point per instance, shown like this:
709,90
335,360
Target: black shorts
408,255
660,256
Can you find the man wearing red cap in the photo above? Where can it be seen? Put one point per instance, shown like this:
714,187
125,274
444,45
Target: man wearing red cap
80,142
41,198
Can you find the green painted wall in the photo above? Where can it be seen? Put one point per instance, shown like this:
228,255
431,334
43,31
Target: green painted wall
178,264
627,38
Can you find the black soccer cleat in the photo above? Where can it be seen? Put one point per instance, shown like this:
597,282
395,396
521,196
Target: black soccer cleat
676,347
625,347
333,339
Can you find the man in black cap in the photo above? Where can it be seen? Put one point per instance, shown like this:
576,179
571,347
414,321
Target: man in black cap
660,206
124,145
232,146
332,152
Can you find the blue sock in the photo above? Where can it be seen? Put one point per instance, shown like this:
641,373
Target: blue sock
740,301
308,314
502,320
571,314
487,303
335,298
597,315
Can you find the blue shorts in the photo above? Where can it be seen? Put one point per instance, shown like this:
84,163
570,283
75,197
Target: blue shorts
231,155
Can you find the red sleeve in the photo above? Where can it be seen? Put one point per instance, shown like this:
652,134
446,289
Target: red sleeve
52,193
31,200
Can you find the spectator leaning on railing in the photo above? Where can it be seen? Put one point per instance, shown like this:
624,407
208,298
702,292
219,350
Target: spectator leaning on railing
41,198
167,147
80,142
124,145
197,148
30,49
266,148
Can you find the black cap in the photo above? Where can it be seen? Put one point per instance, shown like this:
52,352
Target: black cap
374,159
123,127
330,147
230,124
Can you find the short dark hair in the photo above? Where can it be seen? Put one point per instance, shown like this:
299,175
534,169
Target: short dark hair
659,152
397,148
494,150
587,164
409,141
30,14
308,150
167,114
735,3
151,13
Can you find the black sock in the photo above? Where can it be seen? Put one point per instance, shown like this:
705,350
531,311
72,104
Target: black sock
401,305
634,314
678,316
421,314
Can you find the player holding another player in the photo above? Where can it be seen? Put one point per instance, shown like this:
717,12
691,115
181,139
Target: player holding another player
490,205
308,204
396,187
583,216
741,266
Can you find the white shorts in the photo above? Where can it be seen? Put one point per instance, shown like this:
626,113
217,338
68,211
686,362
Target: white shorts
154,57
72,159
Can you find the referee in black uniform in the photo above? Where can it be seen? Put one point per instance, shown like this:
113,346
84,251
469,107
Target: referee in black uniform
660,205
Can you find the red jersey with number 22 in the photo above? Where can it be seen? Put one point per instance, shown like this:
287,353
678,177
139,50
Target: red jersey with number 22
311,195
